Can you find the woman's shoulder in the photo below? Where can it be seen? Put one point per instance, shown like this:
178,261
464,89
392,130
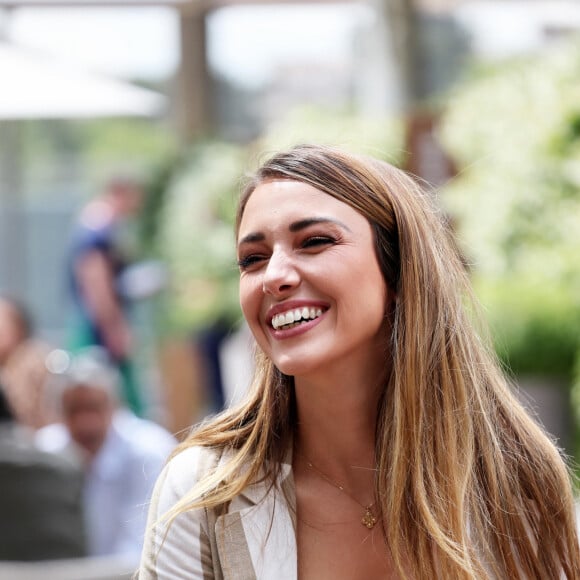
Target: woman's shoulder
195,455
191,464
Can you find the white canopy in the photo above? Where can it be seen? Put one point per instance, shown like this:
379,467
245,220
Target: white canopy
81,3
35,86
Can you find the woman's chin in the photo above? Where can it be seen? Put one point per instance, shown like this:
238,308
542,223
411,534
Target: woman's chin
295,368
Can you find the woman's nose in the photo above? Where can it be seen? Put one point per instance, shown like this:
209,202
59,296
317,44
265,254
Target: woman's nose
281,275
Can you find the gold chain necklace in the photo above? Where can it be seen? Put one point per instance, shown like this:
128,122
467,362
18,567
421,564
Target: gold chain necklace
368,519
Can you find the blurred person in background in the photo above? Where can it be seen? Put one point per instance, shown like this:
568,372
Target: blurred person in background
22,365
122,454
41,513
101,251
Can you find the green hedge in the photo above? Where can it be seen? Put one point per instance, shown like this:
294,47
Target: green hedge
536,327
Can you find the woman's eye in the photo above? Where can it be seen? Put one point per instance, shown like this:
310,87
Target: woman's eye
246,262
316,241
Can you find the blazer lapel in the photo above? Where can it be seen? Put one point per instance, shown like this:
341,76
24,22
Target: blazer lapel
256,539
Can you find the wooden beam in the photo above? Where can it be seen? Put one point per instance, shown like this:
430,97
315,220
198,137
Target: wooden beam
193,114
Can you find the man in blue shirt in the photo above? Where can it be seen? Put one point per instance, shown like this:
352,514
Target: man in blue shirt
99,255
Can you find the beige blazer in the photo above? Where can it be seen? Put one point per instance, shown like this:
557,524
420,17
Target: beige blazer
254,539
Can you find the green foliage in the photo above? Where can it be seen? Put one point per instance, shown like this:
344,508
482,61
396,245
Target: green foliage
80,155
380,137
126,146
536,330
196,235
155,192
515,131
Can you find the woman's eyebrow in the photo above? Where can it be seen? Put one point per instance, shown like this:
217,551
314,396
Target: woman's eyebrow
294,227
253,237
305,223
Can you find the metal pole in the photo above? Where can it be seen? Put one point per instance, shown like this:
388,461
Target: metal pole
13,234
12,219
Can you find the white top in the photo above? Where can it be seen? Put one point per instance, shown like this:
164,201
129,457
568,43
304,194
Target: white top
252,538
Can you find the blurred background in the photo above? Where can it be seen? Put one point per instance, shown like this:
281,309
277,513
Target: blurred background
481,98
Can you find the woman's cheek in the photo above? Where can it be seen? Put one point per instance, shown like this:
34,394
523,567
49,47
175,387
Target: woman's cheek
250,301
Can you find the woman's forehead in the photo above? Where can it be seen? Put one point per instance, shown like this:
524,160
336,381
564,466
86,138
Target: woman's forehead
291,200
291,207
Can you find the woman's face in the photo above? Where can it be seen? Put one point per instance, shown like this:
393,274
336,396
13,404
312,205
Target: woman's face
310,285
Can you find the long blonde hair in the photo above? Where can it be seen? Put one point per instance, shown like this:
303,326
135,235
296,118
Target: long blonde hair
469,485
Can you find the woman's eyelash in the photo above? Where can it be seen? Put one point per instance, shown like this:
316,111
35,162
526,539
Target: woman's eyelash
317,241
248,261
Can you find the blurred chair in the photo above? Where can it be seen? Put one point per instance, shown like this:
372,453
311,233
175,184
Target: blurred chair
40,498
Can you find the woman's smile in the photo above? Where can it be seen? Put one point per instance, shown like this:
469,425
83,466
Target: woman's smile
294,317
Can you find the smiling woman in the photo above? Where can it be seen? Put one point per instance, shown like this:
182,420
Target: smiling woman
380,439
300,249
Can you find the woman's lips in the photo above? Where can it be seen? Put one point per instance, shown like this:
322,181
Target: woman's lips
294,316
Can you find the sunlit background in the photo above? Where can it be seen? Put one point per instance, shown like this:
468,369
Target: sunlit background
479,98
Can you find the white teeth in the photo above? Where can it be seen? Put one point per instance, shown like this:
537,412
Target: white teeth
295,316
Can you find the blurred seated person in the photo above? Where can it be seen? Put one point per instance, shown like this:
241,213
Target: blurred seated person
40,498
122,453
22,365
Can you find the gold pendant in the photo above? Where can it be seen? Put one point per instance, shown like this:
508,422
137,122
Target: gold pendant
368,520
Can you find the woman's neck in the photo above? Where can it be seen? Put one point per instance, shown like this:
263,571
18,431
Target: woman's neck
336,426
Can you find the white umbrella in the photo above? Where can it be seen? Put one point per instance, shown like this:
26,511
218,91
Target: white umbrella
35,86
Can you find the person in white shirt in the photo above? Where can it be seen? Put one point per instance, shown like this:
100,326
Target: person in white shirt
122,454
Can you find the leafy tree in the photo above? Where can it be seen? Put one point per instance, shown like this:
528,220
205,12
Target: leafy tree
515,131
